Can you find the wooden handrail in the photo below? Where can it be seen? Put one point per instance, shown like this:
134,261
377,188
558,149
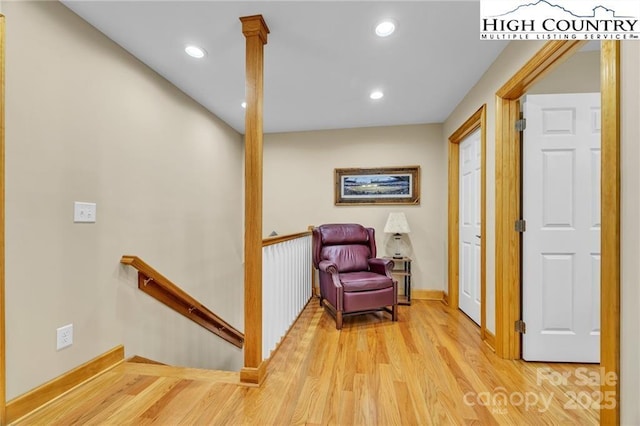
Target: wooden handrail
269,241
159,287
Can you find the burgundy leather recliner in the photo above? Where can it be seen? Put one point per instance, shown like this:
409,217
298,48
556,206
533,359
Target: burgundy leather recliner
352,279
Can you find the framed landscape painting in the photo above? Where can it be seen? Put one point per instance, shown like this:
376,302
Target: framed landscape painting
384,185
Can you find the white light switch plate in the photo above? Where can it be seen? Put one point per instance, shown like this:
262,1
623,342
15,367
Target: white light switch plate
84,212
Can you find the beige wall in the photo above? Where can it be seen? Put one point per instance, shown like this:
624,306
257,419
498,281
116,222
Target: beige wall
513,57
578,74
630,235
88,122
509,61
298,187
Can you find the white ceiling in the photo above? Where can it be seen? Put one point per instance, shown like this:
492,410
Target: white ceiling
322,58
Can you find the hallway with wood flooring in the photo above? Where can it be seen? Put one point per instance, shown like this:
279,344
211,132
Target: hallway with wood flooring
430,367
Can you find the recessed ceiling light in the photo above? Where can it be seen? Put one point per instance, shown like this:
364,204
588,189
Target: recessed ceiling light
195,51
385,28
243,105
376,95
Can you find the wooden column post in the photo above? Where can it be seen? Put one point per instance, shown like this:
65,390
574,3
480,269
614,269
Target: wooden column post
610,232
255,31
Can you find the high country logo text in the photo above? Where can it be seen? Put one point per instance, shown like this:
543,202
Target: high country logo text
545,19
562,25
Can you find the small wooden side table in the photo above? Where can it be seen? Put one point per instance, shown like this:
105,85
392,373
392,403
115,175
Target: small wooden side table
402,269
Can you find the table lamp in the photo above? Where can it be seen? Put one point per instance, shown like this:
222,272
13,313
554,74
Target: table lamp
397,225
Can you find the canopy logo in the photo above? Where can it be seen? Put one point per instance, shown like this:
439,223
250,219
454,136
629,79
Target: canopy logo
559,20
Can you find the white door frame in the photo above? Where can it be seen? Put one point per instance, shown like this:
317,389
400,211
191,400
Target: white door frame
507,166
477,121
469,225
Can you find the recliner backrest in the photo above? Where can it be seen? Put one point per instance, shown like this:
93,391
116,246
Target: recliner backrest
349,246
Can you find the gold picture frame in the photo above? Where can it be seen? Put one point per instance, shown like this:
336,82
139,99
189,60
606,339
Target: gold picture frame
379,186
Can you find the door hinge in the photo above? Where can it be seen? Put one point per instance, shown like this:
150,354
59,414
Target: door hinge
521,225
520,327
521,124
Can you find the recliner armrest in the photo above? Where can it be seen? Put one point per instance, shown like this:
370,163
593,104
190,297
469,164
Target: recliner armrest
328,266
381,266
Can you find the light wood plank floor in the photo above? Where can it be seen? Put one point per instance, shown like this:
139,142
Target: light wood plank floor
428,368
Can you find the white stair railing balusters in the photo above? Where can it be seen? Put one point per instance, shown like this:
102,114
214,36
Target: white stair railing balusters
286,286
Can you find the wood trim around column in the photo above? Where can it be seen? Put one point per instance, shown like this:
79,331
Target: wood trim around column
507,240
255,31
454,226
477,121
546,59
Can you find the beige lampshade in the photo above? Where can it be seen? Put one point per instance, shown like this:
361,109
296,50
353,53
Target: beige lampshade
397,224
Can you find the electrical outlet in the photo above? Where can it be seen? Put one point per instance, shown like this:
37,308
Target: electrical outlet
84,212
64,336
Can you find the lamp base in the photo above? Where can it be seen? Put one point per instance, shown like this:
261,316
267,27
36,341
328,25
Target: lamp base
398,242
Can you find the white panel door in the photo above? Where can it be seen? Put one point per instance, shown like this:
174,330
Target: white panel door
561,244
469,220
